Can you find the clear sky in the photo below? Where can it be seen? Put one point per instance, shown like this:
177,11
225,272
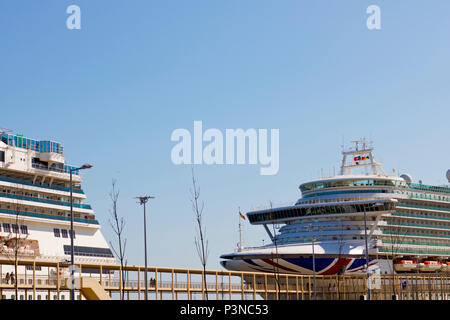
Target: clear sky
113,92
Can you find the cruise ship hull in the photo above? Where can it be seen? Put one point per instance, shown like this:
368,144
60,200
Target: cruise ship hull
323,266
299,259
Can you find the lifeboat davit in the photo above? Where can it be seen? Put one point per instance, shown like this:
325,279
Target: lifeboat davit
405,265
430,265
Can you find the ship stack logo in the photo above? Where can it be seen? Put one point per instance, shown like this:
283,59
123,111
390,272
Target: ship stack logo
234,149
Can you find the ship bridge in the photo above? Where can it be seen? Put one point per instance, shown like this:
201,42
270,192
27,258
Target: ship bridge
314,211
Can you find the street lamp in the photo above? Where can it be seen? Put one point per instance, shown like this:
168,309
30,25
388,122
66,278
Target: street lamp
311,225
314,259
367,253
143,200
72,261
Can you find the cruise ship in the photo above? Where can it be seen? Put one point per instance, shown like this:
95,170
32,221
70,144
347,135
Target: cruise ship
35,210
361,220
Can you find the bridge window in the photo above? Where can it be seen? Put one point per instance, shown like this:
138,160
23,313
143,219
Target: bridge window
298,212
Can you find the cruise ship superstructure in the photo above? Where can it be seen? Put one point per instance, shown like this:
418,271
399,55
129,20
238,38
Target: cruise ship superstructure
35,208
404,225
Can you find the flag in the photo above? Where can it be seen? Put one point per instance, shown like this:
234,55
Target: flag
360,158
242,216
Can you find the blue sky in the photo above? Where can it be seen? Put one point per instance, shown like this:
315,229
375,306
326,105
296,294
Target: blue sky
114,91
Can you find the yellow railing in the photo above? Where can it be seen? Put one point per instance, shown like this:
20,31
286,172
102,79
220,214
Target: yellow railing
186,284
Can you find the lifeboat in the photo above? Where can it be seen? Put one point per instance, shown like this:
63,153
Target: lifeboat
446,266
405,265
430,265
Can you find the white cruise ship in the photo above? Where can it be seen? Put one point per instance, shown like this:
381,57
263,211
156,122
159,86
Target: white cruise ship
346,222
35,208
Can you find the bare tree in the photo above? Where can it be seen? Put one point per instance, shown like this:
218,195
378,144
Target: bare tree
341,245
395,240
201,243
15,242
16,250
118,224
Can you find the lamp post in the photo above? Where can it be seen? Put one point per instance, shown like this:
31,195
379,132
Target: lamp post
367,253
72,234
314,259
143,200
311,225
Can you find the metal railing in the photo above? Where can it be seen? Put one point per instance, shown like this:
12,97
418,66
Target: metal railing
47,216
54,169
181,283
46,186
55,202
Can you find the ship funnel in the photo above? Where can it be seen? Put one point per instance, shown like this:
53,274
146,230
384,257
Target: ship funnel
448,175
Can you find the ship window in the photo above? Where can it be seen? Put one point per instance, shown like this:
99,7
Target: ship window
89,251
24,229
64,233
30,268
2,156
6,227
56,233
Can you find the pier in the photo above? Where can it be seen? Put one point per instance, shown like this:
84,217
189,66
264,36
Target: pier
44,280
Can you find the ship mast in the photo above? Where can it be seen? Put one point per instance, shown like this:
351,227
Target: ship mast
360,156
240,231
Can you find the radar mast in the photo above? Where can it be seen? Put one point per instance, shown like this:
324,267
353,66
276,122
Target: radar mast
359,157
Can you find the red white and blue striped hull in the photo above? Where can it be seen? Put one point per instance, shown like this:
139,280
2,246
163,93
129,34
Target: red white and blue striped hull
329,259
323,266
